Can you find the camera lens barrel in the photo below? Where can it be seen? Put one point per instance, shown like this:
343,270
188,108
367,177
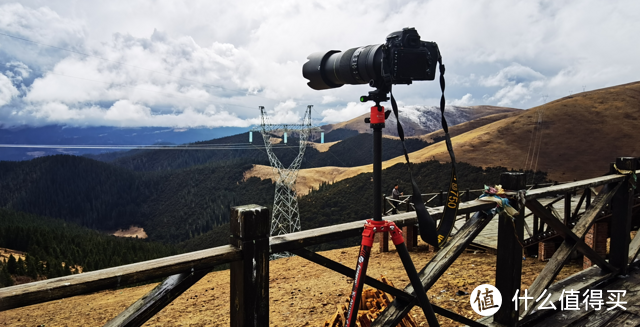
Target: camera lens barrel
331,69
406,59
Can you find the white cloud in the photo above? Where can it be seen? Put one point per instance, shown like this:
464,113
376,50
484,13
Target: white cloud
178,59
329,99
465,101
352,110
513,74
517,84
7,90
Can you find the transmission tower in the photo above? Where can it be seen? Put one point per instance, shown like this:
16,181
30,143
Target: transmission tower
286,217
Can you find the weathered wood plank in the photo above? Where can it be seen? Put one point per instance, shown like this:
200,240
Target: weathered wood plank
249,282
57,288
581,281
510,251
555,264
577,209
567,208
633,248
573,186
626,319
566,233
344,270
151,303
435,268
508,265
622,207
456,317
337,232
602,317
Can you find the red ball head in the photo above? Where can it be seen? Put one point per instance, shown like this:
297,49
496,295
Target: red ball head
377,115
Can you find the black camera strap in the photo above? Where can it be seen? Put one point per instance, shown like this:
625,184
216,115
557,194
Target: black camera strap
452,199
426,223
428,231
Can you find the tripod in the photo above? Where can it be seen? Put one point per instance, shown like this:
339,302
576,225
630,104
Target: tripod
377,225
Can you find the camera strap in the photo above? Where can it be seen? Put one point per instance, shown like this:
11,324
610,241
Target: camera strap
452,199
428,231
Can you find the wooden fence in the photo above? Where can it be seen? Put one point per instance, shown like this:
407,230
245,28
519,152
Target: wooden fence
250,247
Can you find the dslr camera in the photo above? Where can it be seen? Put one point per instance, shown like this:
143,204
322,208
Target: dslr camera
402,59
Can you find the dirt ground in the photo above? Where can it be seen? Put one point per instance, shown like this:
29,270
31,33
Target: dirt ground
132,231
301,293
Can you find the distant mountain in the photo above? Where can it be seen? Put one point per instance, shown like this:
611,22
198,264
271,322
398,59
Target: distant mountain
171,206
420,120
351,151
63,135
311,176
574,137
455,130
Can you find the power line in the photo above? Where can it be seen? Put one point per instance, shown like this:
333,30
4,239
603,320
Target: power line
240,146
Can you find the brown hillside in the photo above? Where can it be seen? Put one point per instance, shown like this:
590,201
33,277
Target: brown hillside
579,135
470,125
357,124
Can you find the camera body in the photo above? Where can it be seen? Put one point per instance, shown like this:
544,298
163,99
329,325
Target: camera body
409,58
404,58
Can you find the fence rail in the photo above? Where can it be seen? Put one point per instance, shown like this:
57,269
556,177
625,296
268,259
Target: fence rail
250,247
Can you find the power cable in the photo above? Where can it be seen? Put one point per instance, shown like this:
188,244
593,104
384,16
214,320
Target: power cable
540,141
533,132
139,147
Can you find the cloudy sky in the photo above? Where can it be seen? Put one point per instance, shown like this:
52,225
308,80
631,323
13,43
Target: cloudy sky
212,63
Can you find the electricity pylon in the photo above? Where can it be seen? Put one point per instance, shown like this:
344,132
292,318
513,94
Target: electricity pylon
286,216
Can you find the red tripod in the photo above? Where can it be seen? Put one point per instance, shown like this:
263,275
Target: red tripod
377,225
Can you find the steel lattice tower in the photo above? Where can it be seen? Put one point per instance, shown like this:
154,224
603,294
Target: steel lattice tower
286,216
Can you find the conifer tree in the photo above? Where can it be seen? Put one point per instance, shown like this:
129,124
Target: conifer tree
21,268
12,264
5,277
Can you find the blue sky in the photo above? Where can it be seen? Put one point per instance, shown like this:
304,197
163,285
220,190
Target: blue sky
212,63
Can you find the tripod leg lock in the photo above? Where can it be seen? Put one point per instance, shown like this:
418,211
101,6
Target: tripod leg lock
371,227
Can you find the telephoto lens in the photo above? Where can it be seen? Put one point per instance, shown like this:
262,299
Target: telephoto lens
403,58
331,69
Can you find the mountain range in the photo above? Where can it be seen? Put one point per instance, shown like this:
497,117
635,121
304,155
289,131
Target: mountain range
182,198
95,136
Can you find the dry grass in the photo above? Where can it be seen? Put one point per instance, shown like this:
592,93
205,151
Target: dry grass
6,253
322,147
132,231
301,293
579,136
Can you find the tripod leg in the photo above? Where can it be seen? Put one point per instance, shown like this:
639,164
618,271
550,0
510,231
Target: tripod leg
358,283
421,294
368,235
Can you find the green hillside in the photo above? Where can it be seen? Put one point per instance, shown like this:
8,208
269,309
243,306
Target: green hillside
355,150
56,248
351,199
172,206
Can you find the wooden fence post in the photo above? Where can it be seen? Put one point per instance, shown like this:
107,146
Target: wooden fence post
567,208
510,251
250,227
384,241
622,204
467,198
384,204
